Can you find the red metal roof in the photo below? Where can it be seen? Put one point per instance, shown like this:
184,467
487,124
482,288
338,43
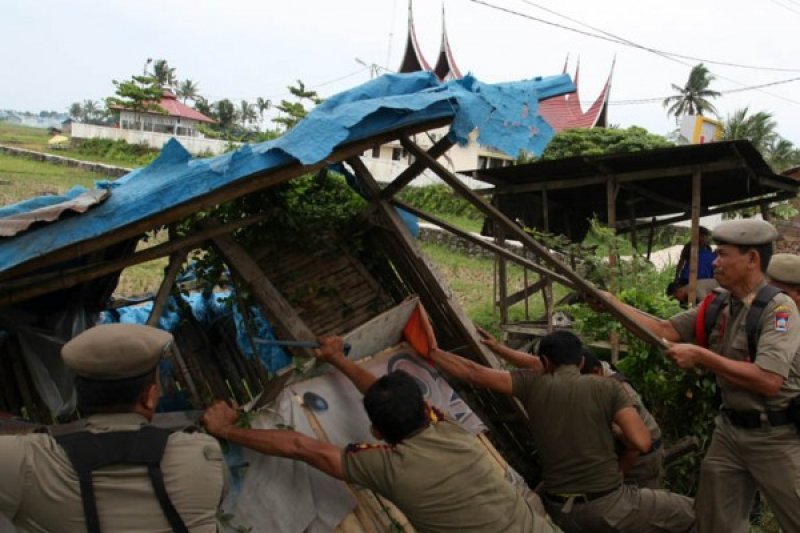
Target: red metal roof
446,67
565,112
174,108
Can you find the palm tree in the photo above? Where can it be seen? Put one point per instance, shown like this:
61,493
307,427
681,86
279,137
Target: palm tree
225,113
781,154
263,104
164,73
76,111
693,97
89,110
247,113
188,90
758,128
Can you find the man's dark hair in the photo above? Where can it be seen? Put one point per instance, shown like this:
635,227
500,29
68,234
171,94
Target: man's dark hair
112,396
673,287
590,362
705,231
561,348
395,406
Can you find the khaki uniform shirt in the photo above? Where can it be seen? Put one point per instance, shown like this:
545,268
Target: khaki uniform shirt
571,416
442,479
778,344
39,489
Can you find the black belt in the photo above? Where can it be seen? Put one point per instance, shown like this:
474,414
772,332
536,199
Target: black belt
586,496
752,419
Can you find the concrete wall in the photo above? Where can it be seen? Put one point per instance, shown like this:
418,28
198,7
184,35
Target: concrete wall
194,145
100,168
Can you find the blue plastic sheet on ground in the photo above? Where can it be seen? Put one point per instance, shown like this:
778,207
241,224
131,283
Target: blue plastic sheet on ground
505,114
207,309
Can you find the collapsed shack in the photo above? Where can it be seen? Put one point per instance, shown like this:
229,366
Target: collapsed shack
632,193
63,258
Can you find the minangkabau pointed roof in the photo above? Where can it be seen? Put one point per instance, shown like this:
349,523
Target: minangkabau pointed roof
446,68
413,60
562,112
565,112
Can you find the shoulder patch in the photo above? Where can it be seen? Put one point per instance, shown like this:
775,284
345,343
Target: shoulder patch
355,447
781,319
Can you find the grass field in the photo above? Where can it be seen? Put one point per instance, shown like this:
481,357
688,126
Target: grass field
22,178
36,139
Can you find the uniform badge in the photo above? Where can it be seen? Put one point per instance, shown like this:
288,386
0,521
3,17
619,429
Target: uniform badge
781,321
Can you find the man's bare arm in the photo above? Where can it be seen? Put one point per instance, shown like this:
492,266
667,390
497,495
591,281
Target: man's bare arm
514,357
332,351
633,429
220,418
471,372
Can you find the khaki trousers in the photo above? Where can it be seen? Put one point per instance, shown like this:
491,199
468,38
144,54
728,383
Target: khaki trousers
737,463
648,472
627,509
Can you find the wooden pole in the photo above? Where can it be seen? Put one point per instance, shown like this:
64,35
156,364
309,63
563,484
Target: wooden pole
173,269
25,289
522,261
547,290
530,243
611,206
278,310
693,258
651,233
502,276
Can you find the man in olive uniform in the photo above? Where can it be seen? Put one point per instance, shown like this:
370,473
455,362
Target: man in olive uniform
647,469
784,272
43,483
570,419
432,469
755,445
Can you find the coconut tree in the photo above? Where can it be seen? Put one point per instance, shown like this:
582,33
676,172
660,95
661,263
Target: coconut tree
188,90
247,113
781,154
263,104
759,128
164,73
694,97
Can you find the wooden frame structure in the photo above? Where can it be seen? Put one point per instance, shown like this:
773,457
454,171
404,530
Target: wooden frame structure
624,190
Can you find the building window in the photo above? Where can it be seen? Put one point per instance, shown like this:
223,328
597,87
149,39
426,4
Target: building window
397,153
482,162
376,152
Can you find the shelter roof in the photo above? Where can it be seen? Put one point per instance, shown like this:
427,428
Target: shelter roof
565,111
175,185
655,183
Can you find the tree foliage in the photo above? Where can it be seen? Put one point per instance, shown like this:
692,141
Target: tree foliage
139,94
694,98
188,90
290,113
164,73
599,141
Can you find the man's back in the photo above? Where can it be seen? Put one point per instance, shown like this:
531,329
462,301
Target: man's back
571,416
443,480
39,488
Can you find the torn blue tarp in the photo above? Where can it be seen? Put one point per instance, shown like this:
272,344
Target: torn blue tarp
505,114
207,309
38,202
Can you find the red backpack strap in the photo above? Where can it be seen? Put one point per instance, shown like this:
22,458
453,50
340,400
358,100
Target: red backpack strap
701,337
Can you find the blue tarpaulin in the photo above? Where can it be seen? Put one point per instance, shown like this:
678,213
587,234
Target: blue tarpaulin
506,115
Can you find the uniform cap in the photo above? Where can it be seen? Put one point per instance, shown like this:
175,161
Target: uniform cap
785,268
115,351
748,232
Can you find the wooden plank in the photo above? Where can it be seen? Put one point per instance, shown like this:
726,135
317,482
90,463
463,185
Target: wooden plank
525,293
255,182
415,169
508,254
663,200
25,289
173,269
531,244
281,314
693,258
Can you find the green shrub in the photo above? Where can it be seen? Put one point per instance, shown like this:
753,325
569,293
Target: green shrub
440,200
118,150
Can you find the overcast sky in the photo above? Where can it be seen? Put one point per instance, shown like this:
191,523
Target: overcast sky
54,52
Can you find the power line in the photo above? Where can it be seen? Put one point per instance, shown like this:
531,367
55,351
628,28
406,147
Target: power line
786,7
611,38
622,40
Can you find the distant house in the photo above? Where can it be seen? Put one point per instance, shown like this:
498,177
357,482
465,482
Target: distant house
177,119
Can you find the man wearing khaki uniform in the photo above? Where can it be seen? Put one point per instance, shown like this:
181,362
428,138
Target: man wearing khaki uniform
116,368
755,444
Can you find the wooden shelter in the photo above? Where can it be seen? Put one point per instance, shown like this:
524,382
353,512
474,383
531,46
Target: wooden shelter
632,193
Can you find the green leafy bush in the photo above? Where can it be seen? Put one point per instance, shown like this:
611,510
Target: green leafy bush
119,150
440,200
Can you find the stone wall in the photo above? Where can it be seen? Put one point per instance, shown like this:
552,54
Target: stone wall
100,168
